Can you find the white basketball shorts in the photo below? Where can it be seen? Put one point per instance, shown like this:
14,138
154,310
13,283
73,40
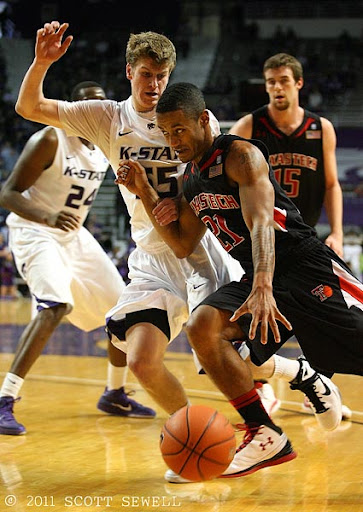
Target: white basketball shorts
77,272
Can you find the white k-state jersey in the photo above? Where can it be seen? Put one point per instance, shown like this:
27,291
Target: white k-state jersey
123,133
70,183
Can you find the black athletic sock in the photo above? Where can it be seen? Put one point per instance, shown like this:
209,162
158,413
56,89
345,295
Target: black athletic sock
250,407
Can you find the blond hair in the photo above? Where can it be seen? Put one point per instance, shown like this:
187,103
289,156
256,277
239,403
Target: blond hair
150,44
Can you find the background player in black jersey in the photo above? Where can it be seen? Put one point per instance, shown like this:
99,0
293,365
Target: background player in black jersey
301,148
231,190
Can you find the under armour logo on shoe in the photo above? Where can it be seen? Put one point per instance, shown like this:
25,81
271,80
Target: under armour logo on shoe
263,445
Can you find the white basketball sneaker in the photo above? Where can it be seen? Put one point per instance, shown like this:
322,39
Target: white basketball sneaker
262,447
267,396
322,393
346,412
174,478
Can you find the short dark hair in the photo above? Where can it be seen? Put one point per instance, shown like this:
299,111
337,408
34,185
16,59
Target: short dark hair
284,59
75,94
182,96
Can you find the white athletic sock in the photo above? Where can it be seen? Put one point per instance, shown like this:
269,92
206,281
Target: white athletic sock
116,376
286,369
11,385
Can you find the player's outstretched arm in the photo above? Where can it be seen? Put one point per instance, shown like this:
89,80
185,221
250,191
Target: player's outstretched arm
183,234
49,48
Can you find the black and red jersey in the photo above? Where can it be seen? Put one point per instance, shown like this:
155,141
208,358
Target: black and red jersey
296,159
218,205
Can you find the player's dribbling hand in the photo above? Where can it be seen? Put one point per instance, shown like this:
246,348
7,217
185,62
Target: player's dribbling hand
49,46
264,311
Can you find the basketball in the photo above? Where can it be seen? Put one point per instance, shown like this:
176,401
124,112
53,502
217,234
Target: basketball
198,443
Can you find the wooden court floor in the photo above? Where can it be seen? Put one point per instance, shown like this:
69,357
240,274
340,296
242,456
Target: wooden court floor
75,458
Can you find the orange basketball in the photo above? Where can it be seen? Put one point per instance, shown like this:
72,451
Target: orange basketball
198,443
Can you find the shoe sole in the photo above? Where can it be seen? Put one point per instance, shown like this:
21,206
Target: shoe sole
126,415
346,412
179,480
285,455
8,432
335,391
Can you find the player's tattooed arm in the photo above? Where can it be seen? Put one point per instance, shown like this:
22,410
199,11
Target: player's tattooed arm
263,248
247,169
249,160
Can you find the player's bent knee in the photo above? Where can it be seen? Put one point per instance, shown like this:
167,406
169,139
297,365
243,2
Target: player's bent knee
55,313
144,368
199,326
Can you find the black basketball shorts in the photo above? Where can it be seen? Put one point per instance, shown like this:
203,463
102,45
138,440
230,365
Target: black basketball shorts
316,291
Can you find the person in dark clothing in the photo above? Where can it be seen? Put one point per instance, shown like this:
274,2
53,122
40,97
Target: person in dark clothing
293,282
301,146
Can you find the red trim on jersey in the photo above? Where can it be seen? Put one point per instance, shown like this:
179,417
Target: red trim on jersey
270,128
192,171
280,218
307,125
351,289
211,159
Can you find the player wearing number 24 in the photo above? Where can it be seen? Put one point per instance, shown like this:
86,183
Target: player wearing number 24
50,193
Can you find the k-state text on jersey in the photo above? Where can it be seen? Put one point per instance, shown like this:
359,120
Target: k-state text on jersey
84,174
147,153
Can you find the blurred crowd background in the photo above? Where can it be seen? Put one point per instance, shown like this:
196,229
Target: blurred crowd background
221,47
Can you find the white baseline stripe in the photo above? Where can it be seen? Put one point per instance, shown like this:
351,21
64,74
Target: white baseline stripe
197,392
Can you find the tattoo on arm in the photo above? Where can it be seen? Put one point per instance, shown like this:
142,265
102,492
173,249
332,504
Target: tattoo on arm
249,160
263,249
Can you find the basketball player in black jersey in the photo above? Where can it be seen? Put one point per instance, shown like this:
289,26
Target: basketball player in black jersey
293,282
301,145
301,148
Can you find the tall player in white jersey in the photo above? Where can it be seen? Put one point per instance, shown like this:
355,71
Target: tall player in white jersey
163,289
156,303
50,193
